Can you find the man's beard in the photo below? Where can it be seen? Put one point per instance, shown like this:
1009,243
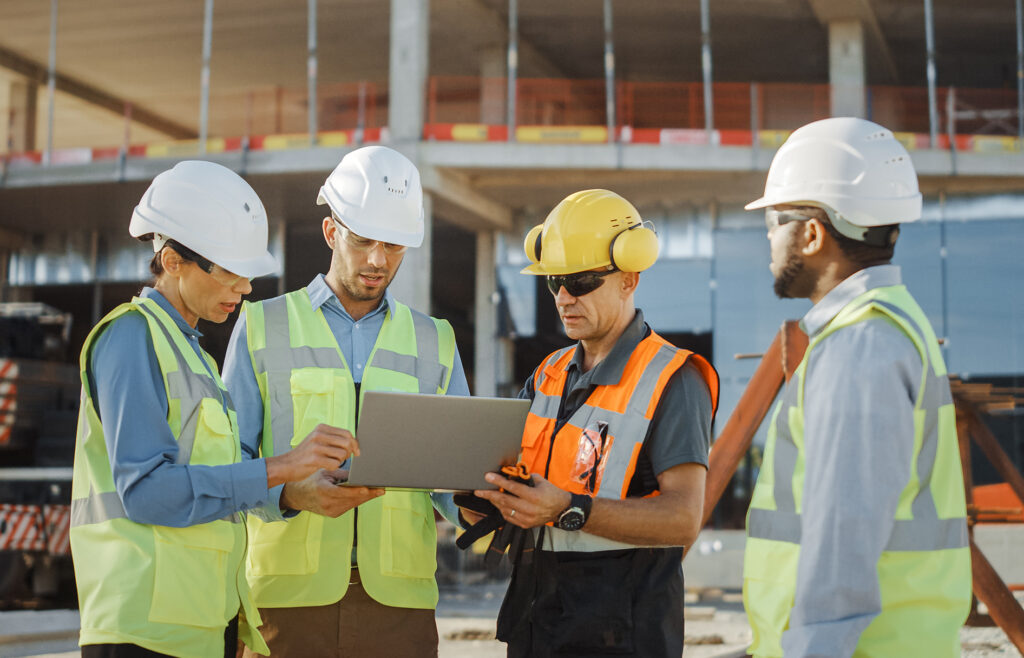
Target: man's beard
791,282
357,291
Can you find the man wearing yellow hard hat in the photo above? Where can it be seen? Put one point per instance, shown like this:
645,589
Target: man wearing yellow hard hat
616,441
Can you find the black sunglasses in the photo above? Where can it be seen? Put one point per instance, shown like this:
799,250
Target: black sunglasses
578,283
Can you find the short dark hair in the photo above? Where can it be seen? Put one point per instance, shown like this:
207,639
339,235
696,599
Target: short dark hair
857,252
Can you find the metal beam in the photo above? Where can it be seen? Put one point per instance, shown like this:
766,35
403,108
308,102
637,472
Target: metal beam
37,73
462,204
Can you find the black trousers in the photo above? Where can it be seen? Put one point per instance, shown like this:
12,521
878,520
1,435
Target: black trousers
135,651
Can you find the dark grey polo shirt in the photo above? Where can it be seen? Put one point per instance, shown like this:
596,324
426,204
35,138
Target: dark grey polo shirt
679,433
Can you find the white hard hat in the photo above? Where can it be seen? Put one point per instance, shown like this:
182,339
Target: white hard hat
376,192
212,211
851,166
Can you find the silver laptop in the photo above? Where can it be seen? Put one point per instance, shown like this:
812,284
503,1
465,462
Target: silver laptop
435,442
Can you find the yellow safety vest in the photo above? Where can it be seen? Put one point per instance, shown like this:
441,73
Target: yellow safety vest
924,572
304,381
169,590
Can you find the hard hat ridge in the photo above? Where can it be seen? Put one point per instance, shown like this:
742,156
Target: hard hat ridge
854,167
590,229
212,211
376,192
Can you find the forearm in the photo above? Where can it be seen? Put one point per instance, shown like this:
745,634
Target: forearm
177,495
666,520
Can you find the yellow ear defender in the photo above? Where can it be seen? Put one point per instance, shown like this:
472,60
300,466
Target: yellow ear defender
635,249
532,245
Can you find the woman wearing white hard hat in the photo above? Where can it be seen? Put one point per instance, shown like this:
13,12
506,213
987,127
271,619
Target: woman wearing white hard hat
160,478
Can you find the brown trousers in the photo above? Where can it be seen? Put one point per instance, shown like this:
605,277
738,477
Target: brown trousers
356,626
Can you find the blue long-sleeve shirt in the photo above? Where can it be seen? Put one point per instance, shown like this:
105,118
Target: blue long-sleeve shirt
128,389
356,339
859,394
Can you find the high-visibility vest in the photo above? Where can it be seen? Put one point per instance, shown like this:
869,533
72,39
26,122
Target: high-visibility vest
170,590
924,571
304,381
627,407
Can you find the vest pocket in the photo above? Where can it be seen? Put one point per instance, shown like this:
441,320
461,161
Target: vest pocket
192,575
313,396
286,548
408,536
214,440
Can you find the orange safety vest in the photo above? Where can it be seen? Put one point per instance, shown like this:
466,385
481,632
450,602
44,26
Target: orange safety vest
627,407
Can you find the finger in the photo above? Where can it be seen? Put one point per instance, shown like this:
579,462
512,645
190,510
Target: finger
333,431
510,486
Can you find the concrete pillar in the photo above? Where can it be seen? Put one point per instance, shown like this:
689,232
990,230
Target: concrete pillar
20,120
411,285
492,79
485,375
410,33
846,68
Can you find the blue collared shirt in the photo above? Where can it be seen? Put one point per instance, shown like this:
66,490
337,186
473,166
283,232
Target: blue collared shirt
131,399
859,392
356,339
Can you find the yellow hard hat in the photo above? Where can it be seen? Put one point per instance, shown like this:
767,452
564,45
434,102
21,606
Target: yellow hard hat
587,230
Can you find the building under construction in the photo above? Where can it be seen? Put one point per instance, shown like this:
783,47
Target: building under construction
507,106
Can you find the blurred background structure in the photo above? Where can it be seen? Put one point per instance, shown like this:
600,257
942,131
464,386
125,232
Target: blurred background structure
507,106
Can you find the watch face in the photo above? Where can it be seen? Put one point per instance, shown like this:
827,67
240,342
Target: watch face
571,519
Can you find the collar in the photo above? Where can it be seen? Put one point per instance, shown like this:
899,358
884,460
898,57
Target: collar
609,371
156,296
855,285
320,293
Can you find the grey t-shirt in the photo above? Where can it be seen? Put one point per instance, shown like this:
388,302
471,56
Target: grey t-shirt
680,431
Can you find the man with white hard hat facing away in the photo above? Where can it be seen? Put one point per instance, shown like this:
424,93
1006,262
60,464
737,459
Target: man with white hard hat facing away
856,533
351,572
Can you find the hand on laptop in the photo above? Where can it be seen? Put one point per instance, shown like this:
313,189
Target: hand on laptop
319,493
523,505
325,447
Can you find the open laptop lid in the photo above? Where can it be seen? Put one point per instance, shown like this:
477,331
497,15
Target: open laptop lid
435,442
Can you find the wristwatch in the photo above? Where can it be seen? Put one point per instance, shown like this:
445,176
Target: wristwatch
575,515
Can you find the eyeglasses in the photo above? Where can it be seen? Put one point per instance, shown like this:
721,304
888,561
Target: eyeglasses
223,276
359,243
773,218
578,283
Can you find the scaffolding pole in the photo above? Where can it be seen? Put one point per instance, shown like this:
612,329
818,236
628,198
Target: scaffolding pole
51,84
933,110
705,60
204,77
311,71
1020,76
513,67
609,71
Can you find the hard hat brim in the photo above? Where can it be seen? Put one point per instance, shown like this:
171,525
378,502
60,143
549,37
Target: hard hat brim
540,270
252,267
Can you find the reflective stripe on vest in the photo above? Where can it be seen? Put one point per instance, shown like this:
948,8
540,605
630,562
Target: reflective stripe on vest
189,388
304,381
636,398
279,358
925,531
923,573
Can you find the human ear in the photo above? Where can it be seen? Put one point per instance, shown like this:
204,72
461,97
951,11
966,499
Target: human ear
814,237
330,229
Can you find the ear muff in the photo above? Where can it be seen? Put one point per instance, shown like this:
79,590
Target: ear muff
531,245
635,249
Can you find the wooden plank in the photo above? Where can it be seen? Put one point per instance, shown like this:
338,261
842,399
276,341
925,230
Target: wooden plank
990,589
750,411
988,443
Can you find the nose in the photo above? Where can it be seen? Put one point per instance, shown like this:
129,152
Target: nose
243,286
376,256
563,298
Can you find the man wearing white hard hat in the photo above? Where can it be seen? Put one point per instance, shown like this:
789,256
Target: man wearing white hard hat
159,481
856,533
351,572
